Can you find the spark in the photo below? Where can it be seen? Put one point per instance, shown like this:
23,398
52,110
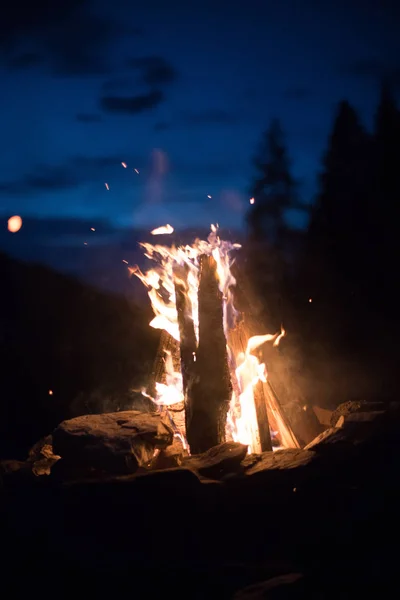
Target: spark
85,243
14,224
50,392
92,229
125,261
163,229
310,300
208,196
252,200
107,186
136,171
124,165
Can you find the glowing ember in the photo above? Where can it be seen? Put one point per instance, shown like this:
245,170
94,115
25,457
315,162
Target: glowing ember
246,370
166,229
252,200
136,171
124,165
208,196
50,392
107,186
92,229
14,224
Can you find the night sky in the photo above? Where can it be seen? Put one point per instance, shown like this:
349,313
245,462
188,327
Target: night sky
180,91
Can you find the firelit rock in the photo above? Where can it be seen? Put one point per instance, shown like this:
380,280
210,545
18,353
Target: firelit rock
217,461
291,458
354,406
116,443
170,457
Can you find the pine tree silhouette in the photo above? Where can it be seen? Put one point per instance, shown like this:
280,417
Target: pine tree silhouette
385,198
274,188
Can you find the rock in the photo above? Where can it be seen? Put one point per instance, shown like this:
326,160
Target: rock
41,456
291,585
113,442
170,457
360,417
292,458
352,429
218,461
35,453
354,406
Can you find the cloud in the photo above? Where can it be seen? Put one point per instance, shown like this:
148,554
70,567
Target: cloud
132,105
119,84
46,179
88,118
76,171
214,116
296,93
154,70
68,34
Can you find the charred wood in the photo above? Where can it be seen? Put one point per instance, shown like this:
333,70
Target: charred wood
208,395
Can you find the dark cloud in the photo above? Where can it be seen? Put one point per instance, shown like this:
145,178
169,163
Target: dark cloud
71,38
119,84
88,118
45,179
212,116
132,105
297,93
154,70
76,171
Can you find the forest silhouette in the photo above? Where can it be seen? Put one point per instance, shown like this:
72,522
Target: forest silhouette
334,284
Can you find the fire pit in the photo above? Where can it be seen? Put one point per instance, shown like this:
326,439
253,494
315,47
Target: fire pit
207,378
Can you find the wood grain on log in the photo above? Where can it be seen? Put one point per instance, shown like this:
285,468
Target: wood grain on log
208,396
188,343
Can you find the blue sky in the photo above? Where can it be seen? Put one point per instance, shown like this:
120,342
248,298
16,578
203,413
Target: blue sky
180,91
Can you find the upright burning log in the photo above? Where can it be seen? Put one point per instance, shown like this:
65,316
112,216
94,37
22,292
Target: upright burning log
208,394
188,343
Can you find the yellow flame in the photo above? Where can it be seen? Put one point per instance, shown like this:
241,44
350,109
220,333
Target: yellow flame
246,370
163,229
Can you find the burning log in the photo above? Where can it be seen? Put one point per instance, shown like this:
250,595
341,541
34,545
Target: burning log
167,344
188,344
208,395
238,342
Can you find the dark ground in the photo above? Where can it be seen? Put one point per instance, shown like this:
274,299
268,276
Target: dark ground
168,535
334,521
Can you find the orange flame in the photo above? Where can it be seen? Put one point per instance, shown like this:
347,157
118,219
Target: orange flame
246,370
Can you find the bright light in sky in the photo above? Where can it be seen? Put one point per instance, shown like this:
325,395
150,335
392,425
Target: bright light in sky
14,224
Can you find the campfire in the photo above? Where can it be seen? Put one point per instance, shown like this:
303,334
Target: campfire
207,378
